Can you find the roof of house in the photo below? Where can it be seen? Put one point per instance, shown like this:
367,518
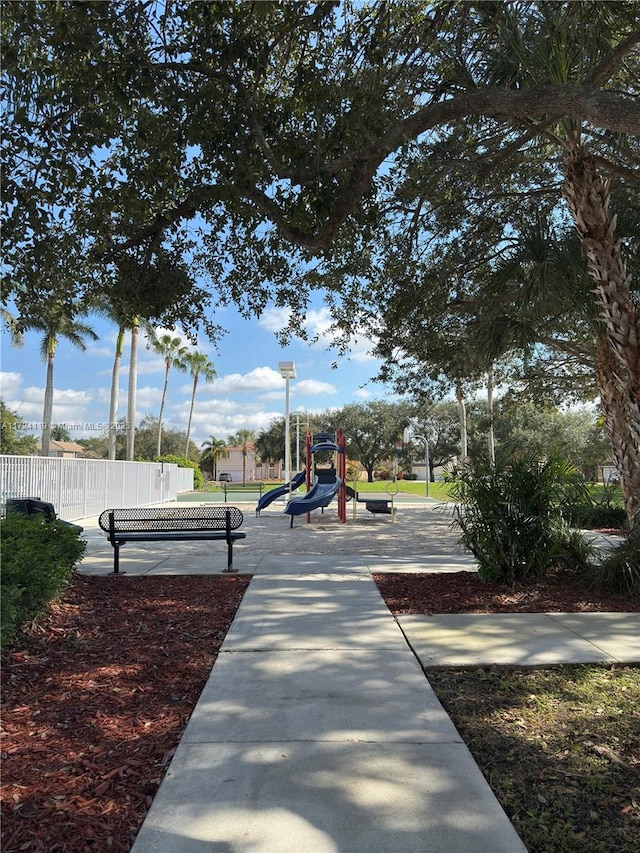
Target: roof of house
64,446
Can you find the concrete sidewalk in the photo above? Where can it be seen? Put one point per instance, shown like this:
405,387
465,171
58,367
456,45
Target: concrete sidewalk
318,732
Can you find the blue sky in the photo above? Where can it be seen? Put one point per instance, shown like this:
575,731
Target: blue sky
247,394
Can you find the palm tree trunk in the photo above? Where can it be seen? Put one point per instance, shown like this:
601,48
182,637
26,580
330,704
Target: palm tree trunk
164,397
115,390
193,401
133,384
624,443
47,412
618,369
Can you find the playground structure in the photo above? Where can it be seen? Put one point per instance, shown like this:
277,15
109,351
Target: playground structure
327,482
273,494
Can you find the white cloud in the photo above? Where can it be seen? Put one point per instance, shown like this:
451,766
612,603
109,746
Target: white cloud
313,387
149,366
258,380
101,352
362,393
148,399
274,319
220,417
10,384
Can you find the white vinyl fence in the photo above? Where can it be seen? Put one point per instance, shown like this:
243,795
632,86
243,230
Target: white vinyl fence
79,488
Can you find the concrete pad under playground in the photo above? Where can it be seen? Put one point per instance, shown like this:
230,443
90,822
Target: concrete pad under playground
522,639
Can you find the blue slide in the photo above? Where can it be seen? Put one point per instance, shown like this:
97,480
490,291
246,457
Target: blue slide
320,495
272,494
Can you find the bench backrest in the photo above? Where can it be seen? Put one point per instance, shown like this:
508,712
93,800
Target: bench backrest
139,519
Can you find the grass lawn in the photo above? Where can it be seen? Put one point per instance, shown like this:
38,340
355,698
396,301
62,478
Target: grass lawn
560,748
439,490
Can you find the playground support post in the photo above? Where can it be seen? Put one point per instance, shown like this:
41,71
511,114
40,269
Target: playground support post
342,473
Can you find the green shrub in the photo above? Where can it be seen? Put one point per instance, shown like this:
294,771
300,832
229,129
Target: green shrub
511,517
619,572
594,515
181,462
37,561
601,506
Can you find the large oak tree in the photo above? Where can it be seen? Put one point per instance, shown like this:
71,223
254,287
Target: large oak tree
286,131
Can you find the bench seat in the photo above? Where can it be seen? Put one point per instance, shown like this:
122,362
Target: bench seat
378,506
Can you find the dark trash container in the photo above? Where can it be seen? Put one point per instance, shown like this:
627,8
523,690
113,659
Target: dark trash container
34,506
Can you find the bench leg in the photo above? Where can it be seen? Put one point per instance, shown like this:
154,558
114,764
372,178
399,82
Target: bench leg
230,569
116,559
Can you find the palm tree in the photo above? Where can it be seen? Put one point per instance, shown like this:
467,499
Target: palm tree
587,192
617,359
214,449
171,349
243,438
54,321
108,307
198,365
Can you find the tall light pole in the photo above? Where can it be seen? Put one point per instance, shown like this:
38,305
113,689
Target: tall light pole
287,371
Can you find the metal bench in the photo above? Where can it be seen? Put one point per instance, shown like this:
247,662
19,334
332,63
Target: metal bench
160,524
374,505
377,506
237,488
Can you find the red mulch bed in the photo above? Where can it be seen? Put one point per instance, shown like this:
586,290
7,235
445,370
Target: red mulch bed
94,702
97,694
463,592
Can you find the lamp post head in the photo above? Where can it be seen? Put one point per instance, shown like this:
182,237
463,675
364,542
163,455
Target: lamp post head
287,369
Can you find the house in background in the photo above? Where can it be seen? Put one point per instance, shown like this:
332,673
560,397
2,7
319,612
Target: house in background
254,469
65,450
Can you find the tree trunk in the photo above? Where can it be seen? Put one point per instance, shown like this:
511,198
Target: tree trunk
491,438
164,397
624,443
47,412
115,391
618,367
462,411
133,384
193,400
